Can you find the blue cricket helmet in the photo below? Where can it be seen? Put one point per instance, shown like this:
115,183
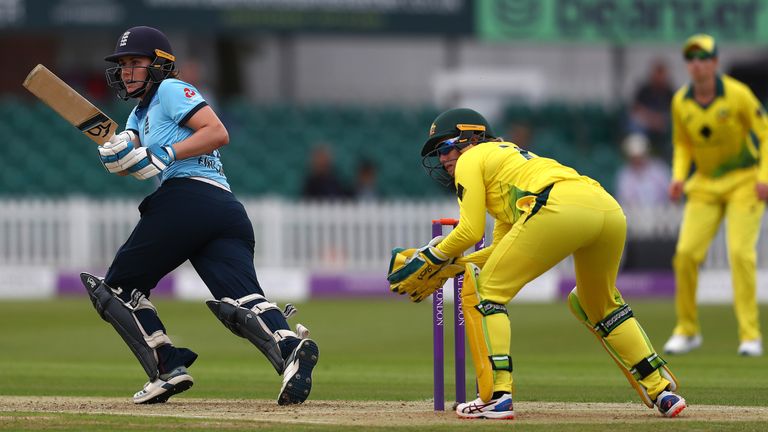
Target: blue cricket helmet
142,41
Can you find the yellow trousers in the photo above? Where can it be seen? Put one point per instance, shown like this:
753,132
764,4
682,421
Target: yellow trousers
581,219
731,197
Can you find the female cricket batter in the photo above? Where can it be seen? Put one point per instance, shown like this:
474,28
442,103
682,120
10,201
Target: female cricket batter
543,212
173,134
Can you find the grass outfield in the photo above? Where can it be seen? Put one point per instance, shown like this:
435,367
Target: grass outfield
369,351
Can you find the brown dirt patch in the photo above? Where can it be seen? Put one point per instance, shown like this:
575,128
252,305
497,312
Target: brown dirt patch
368,413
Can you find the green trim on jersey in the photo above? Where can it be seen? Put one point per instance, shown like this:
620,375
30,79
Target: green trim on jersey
725,135
719,88
744,159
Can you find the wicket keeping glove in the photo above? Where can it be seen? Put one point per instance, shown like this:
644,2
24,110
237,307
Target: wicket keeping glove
420,272
436,282
147,162
114,154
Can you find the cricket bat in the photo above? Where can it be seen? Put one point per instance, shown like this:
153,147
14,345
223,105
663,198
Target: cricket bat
70,105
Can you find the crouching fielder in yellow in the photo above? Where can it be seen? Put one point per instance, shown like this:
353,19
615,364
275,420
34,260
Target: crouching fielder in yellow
543,212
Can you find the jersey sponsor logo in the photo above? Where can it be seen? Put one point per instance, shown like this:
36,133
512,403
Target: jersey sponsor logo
188,92
210,163
460,191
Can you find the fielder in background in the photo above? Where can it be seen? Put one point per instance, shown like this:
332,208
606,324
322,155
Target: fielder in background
717,125
174,136
543,212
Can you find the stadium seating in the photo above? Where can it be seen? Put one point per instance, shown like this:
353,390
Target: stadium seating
270,145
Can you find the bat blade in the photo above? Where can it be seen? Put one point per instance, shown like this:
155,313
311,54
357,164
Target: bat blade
70,105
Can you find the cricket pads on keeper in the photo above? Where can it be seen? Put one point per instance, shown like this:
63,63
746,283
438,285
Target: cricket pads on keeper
634,373
477,314
420,272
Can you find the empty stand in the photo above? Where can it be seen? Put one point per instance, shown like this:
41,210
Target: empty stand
270,145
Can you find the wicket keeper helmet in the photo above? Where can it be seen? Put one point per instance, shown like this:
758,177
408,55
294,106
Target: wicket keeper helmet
142,41
462,126
469,125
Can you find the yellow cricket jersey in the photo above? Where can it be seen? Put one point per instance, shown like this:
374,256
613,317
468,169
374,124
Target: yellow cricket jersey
722,136
503,179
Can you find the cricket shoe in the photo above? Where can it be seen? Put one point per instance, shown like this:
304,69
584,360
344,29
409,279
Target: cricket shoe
297,375
167,385
680,344
499,409
670,404
751,348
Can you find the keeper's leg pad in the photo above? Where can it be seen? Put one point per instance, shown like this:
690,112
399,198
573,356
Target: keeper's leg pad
635,373
122,316
476,315
247,324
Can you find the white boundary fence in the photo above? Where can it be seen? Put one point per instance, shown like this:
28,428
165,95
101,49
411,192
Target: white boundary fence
79,232
84,233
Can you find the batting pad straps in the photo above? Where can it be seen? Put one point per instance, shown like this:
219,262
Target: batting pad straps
501,362
242,301
489,308
613,320
247,323
283,334
139,301
646,366
156,339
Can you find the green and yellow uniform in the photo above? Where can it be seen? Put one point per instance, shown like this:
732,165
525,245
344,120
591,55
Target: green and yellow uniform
724,143
543,212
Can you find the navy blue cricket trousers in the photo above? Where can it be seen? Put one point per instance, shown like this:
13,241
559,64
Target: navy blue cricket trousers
186,219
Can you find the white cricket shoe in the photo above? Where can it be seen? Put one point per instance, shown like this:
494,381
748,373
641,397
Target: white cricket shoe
167,385
751,348
680,344
498,409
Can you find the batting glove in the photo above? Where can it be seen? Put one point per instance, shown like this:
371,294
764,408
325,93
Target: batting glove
114,154
148,162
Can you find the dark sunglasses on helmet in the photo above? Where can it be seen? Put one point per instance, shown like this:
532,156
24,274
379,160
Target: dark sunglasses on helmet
447,146
697,54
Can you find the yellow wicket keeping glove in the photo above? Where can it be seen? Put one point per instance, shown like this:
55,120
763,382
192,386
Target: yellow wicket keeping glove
419,272
436,282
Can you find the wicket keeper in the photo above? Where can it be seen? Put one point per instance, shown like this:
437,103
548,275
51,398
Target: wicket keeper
543,212
719,128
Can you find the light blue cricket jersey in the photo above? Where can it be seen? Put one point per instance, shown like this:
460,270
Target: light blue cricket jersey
161,122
